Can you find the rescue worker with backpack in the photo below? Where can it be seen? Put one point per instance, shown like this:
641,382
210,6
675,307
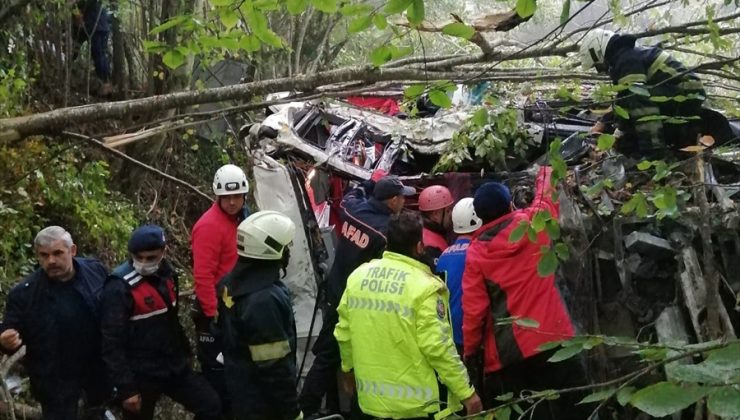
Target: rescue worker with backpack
452,262
362,236
661,98
145,349
435,203
394,333
214,255
256,322
501,281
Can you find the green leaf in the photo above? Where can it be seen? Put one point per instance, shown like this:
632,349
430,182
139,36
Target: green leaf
169,24
380,21
326,6
653,354
173,59
625,395
413,91
459,30
660,99
639,90
565,353
605,142
296,7
228,17
565,12
597,396
397,52
705,373
480,117
527,323
415,12
503,413
548,264
155,46
553,229
726,356
394,7
440,99
518,233
550,345
665,398
381,55
356,9
539,220
637,204
222,3
526,8
532,235
359,24
725,402
249,43
644,165
505,397
652,118
621,112
562,251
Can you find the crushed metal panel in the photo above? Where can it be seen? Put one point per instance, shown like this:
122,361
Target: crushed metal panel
274,191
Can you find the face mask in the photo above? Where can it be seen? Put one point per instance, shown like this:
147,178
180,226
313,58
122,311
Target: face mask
146,268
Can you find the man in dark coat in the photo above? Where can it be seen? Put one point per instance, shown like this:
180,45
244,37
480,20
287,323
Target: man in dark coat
54,313
659,101
145,349
256,322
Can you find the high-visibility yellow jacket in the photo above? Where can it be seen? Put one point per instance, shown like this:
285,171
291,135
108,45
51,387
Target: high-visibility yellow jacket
394,332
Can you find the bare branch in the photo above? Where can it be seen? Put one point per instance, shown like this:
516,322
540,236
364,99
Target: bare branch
102,146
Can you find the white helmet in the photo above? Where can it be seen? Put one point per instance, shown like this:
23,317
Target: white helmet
264,235
464,219
230,179
593,47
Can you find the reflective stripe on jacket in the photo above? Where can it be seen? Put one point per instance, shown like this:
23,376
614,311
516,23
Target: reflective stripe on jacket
655,89
394,331
256,322
501,281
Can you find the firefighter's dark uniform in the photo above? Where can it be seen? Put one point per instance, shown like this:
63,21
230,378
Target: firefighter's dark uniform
257,326
144,347
669,115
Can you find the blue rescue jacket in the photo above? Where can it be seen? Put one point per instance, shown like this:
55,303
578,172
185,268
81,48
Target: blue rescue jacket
452,263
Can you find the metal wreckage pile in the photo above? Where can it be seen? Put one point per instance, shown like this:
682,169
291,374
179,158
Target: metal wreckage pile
636,275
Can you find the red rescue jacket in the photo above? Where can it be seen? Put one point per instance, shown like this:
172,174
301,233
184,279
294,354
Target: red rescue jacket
214,254
501,281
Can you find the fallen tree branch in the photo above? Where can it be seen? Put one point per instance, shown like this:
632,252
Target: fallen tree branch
102,146
59,119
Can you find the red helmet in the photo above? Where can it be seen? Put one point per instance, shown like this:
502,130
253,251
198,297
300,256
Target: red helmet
434,198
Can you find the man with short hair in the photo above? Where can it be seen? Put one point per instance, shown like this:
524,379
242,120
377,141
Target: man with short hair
214,255
54,313
145,349
362,236
501,282
394,333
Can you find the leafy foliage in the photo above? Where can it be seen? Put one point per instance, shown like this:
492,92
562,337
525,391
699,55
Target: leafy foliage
492,134
70,190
